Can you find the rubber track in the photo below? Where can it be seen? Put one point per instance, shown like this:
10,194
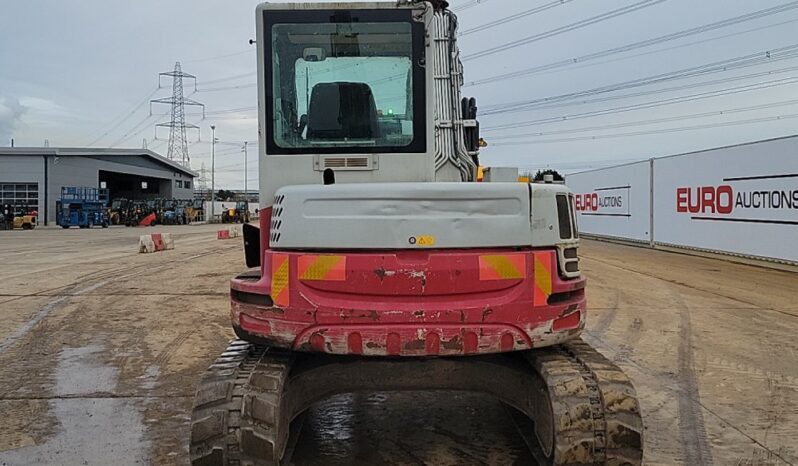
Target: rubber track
233,420
596,417
591,417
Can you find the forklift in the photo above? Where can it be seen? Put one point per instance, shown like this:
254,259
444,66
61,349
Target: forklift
16,217
195,210
237,214
24,220
119,210
136,211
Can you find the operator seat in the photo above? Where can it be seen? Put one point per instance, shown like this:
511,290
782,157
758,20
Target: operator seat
342,110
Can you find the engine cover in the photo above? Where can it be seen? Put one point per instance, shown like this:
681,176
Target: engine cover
401,216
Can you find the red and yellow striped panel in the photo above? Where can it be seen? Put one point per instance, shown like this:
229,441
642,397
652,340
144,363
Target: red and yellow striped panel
280,276
543,270
329,268
502,267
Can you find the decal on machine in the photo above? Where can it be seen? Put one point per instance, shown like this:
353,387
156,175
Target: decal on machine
543,263
502,267
324,267
422,240
280,271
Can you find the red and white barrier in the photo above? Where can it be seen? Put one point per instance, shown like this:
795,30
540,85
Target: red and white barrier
228,233
156,242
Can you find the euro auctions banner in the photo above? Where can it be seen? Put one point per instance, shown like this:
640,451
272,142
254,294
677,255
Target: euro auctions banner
741,199
613,201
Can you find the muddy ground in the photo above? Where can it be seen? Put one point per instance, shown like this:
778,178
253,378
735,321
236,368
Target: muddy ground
101,347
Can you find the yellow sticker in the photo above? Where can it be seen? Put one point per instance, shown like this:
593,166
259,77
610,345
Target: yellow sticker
423,240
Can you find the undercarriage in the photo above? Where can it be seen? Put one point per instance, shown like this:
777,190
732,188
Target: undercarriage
579,408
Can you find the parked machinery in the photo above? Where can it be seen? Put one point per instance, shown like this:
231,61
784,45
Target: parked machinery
118,211
6,217
180,212
16,217
25,221
237,214
82,207
195,210
136,211
166,212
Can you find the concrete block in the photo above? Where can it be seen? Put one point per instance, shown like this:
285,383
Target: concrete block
168,241
156,242
146,244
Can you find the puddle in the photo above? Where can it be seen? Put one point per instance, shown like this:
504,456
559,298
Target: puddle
94,429
412,428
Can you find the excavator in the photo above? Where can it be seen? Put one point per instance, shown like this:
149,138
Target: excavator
381,264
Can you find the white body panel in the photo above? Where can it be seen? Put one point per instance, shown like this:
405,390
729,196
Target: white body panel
414,216
501,174
402,215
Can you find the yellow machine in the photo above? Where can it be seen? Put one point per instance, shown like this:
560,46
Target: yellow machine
26,222
237,214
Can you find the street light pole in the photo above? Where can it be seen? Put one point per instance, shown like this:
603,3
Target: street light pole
246,193
213,171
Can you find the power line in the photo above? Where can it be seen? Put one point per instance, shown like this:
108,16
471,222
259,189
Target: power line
563,29
135,131
651,132
467,5
126,116
227,110
730,111
516,16
642,44
228,78
217,57
744,61
664,90
227,88
646,105
569,165
218,152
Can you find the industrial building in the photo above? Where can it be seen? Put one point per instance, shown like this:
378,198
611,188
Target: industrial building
32,177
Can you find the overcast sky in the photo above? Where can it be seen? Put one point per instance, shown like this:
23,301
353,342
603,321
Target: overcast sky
80,72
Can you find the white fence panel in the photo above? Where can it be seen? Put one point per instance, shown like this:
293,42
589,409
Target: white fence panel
614,201
741,199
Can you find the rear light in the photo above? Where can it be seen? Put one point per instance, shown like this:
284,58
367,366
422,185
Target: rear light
572,267
569,262
253,325
572,207
564,216
568,322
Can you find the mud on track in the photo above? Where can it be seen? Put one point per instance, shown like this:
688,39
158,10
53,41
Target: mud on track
100,350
